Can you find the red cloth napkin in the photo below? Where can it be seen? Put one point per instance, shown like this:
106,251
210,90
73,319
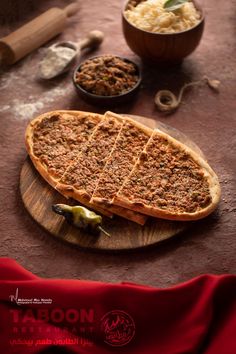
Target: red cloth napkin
76,316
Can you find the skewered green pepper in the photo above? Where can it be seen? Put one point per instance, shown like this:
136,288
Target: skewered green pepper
81,217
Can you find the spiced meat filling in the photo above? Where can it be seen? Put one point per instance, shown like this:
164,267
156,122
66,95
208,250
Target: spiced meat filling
166,177
58,138
84,173
107,75
128,146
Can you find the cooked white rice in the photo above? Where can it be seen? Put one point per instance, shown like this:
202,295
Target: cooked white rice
151,16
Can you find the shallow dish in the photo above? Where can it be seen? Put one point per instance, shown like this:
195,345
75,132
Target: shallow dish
105,99
162,47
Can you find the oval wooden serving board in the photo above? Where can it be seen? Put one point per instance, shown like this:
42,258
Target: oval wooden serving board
38,197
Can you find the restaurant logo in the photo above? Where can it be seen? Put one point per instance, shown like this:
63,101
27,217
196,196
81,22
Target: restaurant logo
118,328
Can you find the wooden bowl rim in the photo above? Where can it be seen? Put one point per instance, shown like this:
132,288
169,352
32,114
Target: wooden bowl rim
197,5
92,95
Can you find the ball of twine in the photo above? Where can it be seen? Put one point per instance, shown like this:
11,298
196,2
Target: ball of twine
166,101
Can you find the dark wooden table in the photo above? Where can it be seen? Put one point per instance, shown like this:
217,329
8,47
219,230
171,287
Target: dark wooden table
208,119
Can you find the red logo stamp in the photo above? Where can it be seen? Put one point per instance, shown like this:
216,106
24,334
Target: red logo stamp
118,328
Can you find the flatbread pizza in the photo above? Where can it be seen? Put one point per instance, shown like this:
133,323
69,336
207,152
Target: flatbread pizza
116,165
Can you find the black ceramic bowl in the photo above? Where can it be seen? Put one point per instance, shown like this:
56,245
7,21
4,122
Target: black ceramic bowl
108,100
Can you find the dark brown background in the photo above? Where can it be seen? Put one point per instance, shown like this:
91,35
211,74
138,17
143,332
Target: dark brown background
207,118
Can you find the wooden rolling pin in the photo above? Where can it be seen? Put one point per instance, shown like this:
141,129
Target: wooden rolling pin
34,33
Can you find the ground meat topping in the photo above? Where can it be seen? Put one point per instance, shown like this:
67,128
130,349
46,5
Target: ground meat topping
107,75
167,178
128,146
58,139
85,172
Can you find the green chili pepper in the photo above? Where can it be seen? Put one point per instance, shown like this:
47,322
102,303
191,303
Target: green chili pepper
80,217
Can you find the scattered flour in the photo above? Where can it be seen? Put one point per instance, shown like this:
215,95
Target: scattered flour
27,110
5,108
6,79
29,107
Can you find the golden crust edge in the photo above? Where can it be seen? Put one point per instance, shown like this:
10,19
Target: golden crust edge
81,197
125,212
